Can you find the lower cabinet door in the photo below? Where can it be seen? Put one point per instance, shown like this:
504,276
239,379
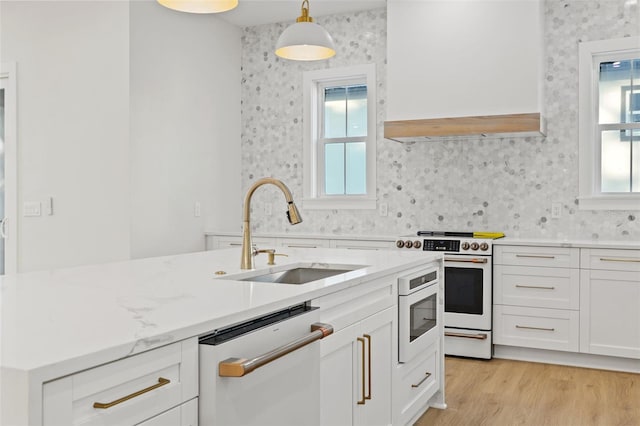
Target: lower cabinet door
182,415
355,367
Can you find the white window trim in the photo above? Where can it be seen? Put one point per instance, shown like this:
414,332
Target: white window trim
312,199
590,197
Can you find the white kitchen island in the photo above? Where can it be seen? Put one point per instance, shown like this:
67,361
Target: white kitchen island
58,323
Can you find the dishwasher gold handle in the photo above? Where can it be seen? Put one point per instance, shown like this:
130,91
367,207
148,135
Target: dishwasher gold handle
361,401
238,367
460,260
479,336
161,382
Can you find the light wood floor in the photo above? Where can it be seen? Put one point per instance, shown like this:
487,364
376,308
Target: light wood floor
503,392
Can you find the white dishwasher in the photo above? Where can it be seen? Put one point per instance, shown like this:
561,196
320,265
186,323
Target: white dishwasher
265,371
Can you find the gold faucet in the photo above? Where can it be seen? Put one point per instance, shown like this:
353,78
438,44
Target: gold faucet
292,214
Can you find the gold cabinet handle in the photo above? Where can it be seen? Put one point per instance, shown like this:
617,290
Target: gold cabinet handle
161,382
302,246
238,367
535,286
368,337
611,259
417,385
361,401
479,336
535,328
535,256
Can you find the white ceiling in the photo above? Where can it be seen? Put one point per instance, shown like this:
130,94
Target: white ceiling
258,12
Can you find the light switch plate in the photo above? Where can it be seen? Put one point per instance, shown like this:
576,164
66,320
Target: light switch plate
31,208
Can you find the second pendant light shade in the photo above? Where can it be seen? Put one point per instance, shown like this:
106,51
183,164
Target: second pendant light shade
305,40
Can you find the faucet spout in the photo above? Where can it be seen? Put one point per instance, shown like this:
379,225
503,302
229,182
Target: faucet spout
293,215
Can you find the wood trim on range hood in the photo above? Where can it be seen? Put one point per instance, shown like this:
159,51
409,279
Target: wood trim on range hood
494,126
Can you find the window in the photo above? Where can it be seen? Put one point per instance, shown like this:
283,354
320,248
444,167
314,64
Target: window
340,138
610,124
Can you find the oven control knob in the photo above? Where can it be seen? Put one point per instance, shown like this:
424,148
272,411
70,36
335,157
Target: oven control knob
408,244
465,246
474,246
399,243
484,246
417,244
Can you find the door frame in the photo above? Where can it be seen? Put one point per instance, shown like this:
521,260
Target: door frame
8,75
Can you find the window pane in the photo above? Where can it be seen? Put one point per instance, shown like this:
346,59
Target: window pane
356,168
334,168
619,92
357,111
635,165
616,165
335,112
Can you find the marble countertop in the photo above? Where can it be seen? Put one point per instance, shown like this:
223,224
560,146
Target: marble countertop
57,322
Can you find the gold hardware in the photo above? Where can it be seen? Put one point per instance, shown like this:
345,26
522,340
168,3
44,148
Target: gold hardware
271,253
246,261
238,367
361,340
368,337
474,260
535,286
422,381
302,246
479,336
220,273
535,256
304,13
161,382
535,328
608,259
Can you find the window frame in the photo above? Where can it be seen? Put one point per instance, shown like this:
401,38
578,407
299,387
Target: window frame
314,197
589,145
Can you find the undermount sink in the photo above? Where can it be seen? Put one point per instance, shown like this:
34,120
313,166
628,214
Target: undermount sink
300,274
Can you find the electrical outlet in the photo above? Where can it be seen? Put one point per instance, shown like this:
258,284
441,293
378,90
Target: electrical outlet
556,210
383,209
31,208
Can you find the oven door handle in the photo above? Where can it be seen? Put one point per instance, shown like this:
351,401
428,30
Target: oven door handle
472,260
479,336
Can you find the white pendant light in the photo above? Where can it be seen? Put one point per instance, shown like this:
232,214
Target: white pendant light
200,6
305,40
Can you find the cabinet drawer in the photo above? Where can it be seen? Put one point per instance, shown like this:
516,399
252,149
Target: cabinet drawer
557,288
612,260
418,382
302,243
554,329
362,244
551,257
133,389
230,242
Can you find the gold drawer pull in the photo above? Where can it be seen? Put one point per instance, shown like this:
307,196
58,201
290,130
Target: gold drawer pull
161,382
609,259
302,246
535,286
417,385
535,328
368,337
535,256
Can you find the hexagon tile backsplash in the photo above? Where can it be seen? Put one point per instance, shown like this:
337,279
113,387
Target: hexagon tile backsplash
503,185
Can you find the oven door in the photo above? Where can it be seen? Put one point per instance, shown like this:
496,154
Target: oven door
418,322
467,292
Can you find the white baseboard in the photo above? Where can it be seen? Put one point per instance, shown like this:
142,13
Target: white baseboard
567,358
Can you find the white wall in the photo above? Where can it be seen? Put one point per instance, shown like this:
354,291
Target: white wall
127,115
73,128
185,128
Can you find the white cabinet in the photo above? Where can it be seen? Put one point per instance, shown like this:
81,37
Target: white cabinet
463,58
610,302
182,415
356,362
215,242
363,244
536,297
128,391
